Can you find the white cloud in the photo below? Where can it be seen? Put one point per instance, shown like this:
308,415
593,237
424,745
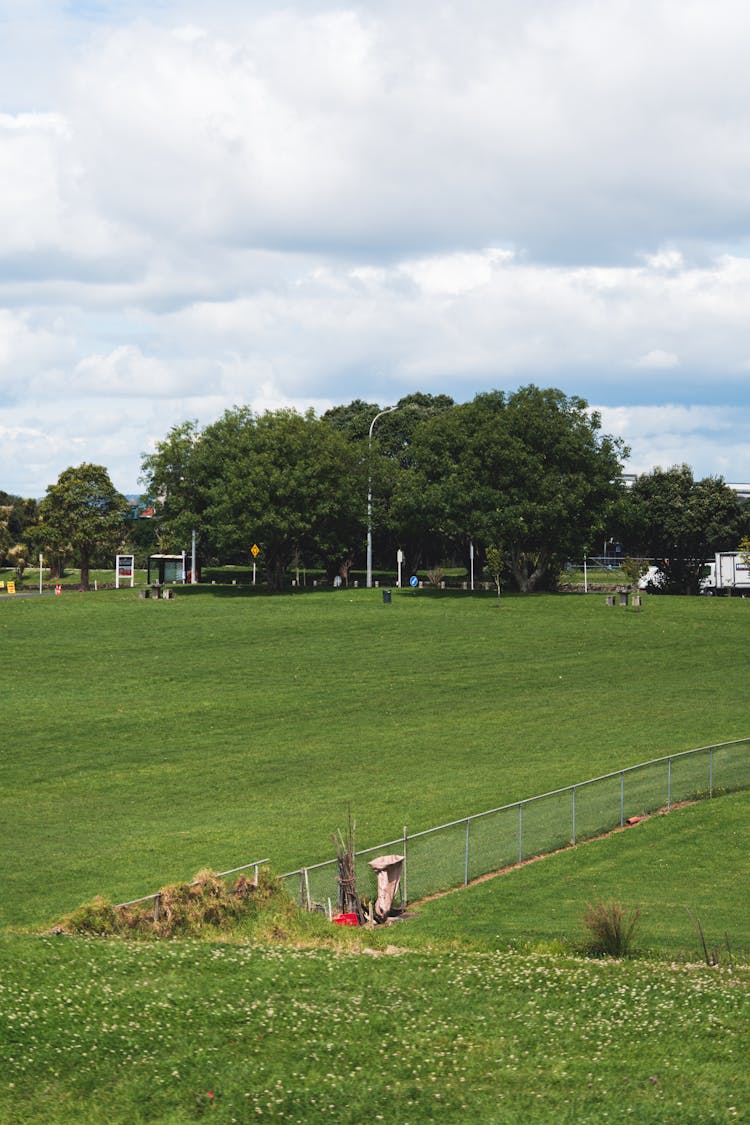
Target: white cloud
307,204
125,371
713,440
658,359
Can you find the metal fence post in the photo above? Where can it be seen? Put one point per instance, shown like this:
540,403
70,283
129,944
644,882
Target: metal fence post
622,798
520,832
466,856
711,772
573,793
669,784
405,869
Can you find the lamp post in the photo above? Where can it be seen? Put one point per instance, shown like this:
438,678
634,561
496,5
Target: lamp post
387,410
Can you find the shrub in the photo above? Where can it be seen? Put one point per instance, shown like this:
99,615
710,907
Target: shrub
204,906
611,929
97,918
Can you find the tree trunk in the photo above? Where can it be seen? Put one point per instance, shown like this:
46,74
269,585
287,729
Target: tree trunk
84,569
527,573
275,573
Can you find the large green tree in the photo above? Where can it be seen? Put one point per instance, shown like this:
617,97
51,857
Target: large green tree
175,486
289,482
83,514
388,461
17,522
529,470
681,522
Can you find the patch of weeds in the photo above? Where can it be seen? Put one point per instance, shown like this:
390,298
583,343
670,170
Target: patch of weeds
611,929
203,907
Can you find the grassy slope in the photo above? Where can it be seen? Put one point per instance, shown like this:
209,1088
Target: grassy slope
95,1031
146,740
690,862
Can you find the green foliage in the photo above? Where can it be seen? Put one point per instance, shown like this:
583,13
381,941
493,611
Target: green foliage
529,470
496,564
17,523
97,918
18,557
681,522
744,549
611,928
82,514
633,569
286,481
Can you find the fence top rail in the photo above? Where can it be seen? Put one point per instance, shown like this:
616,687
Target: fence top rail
577,785
471,816
194,883
331,862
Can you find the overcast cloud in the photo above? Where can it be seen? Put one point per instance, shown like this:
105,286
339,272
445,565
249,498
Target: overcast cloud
299,205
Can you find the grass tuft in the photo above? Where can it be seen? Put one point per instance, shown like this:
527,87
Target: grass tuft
205,906
611,929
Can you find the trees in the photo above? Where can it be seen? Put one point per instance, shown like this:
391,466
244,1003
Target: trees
388,459
681,522
529,470
286,481
17,526
174,484
82,514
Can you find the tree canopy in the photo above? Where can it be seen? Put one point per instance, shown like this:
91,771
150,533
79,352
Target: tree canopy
529,470
286,481
681,522
82,514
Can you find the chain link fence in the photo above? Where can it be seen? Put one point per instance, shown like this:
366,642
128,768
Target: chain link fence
454,854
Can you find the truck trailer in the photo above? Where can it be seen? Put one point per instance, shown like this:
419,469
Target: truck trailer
731,574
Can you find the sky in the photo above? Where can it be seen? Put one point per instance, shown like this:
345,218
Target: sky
299,204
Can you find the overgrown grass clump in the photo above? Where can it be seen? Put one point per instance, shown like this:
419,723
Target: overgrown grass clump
611,928
207,906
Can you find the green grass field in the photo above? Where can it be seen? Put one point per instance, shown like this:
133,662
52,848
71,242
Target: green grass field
674,869
144,740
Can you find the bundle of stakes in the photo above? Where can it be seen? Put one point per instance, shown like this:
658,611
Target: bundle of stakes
348,902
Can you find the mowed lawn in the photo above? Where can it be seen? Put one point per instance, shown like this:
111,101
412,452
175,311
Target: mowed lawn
679,871
144,740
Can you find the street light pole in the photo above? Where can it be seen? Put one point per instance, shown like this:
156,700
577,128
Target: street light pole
387,410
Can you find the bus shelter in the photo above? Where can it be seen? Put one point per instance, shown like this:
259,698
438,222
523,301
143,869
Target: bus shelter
166,569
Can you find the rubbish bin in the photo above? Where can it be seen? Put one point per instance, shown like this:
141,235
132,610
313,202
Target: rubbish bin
386,597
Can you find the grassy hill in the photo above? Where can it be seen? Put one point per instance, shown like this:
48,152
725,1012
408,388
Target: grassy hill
145,740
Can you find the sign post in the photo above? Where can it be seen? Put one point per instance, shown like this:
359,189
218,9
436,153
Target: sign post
41,562
400,561
124,568
254,551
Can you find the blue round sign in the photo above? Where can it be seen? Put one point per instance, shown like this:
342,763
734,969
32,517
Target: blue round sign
413,581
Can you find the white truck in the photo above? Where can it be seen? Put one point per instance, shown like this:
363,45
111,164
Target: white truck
730,574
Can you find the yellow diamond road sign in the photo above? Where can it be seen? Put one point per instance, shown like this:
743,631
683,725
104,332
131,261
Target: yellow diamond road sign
255,550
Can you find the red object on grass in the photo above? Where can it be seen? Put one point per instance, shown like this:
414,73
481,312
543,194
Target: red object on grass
346,920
